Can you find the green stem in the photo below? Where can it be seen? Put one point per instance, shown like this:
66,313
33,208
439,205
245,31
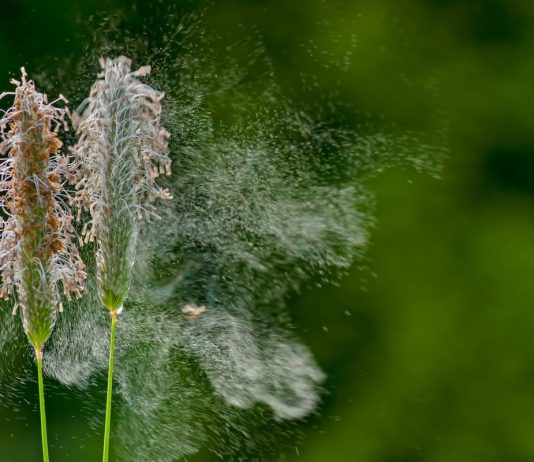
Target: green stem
107,429
39,354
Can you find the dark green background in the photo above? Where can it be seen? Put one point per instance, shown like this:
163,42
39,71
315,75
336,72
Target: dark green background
436,360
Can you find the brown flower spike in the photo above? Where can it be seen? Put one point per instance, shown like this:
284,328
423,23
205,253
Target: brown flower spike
37,243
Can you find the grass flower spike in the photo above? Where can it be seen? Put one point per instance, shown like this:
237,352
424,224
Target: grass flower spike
122,148
38,253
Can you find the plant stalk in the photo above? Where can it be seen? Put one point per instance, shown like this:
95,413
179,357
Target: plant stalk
44,437
107,429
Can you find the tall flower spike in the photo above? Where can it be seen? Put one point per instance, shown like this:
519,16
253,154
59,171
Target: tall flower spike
38,249
121,150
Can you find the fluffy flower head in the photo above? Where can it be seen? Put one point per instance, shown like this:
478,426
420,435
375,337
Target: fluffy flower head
122,149
38,250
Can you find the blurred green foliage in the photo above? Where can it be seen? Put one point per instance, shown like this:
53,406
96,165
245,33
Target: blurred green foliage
432,359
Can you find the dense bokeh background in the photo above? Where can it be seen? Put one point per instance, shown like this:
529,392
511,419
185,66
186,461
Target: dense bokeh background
428,349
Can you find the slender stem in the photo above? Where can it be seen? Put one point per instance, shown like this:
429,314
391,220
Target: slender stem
107,429
44,438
